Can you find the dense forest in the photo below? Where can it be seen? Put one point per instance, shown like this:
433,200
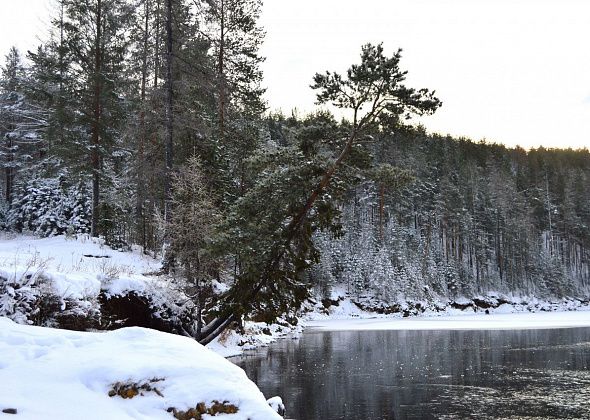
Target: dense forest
143,122
476,219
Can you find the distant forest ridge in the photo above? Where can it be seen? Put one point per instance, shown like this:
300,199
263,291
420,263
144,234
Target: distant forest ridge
477,218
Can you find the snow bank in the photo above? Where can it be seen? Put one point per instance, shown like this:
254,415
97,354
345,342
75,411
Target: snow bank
341,305
72,254
494,321
57,374
73,273
75,270
77,267
255,334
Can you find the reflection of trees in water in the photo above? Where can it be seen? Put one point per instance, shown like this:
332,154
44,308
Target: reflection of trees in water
427,374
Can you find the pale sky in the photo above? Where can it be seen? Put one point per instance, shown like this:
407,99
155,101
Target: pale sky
509,71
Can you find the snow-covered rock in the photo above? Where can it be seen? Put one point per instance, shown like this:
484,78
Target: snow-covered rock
277,405
55,374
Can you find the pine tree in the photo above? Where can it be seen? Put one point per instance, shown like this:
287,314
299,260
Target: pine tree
388,177
276,241
91,63
231,27
236,38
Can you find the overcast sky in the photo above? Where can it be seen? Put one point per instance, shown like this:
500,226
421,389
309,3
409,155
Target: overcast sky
510,71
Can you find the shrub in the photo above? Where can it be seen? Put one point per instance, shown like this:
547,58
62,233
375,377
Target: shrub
46,209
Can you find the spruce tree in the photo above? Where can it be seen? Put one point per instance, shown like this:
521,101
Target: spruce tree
23,123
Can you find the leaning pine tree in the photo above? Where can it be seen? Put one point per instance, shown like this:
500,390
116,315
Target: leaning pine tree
276,247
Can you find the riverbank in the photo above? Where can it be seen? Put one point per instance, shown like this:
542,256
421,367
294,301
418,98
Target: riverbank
490,311
494,321
346,314
80,283
130,373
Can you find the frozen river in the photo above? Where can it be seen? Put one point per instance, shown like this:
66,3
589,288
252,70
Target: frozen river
427,374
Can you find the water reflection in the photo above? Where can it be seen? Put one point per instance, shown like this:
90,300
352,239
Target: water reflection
428,374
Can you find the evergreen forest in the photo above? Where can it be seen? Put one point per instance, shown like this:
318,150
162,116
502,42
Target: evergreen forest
143,122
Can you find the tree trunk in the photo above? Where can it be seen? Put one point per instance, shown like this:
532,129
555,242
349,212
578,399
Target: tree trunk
140,222
95,153
60,99
199,307
221,72
548,200
10,171
381,205
212,330
157,46
169,116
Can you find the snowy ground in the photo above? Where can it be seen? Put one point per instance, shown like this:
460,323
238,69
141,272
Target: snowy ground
77,267
55,374
50,373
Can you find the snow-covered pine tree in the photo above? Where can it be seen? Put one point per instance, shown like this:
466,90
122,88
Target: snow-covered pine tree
47,208
87,57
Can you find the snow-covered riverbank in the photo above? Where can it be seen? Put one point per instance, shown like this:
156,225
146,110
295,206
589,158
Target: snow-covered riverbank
76,271
348,317
472,321
131,373
53,373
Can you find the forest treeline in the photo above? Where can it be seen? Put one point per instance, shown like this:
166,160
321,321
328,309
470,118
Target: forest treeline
143,122
477,218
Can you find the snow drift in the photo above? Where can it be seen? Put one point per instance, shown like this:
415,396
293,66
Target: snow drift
57,374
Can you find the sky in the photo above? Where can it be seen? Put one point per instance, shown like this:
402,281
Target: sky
509,71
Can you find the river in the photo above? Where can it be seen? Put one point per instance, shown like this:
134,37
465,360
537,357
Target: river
445,374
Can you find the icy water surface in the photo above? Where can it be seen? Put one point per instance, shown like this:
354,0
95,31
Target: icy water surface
428,374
